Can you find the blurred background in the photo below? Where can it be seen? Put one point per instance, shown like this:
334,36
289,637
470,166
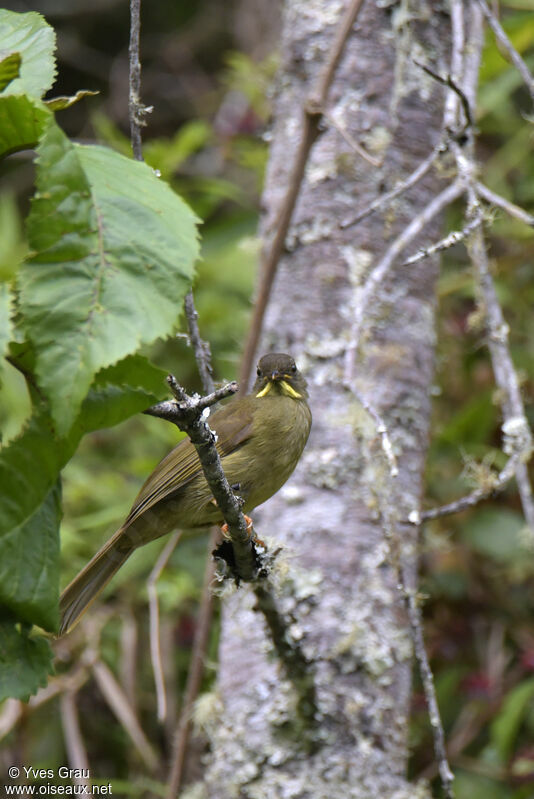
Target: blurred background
208,70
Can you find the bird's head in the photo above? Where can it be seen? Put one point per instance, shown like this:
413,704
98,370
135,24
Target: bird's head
277,373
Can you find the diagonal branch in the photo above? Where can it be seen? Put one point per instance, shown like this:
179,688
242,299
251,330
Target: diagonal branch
311,118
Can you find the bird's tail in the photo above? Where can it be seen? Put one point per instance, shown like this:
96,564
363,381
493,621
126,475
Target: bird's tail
79,594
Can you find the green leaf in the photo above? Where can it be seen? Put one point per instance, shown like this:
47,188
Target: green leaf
6,302
13,247
25,662
29,522
120,391
505,727
59,103
33,38
22,121
9,69
114,256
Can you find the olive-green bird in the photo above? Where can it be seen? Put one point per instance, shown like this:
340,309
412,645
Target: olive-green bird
260,438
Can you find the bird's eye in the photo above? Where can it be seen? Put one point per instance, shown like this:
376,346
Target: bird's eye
293,368
258,371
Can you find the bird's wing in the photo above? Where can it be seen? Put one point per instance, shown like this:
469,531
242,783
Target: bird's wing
182,463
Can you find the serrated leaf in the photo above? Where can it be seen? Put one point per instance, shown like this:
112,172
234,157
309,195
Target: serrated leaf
32,37
29,522
25,662
6,301
29,567
120,391
59,103
9,69
22,122
115,250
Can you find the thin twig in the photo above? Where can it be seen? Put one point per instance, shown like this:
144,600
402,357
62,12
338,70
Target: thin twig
134,105
380,427
416,624
272,251
72,736
128,656
399,188
455,237
194,676
503,368
201,348
118,702
505,42
501,202
492,486
343,132
445,198
153,606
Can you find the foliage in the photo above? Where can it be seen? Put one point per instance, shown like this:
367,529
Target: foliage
111,257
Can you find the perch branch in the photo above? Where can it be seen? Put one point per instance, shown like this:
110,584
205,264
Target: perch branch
186,413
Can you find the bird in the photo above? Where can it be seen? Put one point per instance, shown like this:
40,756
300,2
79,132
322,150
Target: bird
259,437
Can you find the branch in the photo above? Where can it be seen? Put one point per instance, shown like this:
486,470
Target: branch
399,188
292,657
510,208
494,485
194,677
153,606
446,197
311,116
72,736
136,109
187,413
416,623
507,45
445,243
200,347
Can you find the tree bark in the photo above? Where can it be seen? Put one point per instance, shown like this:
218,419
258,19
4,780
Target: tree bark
335,576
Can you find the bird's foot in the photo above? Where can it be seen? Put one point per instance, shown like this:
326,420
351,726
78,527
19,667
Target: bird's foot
228,537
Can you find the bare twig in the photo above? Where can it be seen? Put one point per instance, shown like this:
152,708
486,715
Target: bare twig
194,677
501,202
507,45
416,624
134,104
155,652
311,115
128,656
200,347
380,427
399,188
498,331
343,132
446,197
72,736
117,701
455,237
493,486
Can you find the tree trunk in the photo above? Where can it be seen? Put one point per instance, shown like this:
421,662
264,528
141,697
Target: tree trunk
335,574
